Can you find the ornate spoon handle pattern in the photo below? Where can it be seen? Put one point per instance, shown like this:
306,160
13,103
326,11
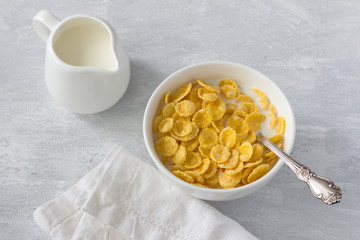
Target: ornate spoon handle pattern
321,187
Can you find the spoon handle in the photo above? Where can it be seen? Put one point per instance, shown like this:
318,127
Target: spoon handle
321,187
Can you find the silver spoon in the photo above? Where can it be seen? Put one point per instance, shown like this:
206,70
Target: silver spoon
322,188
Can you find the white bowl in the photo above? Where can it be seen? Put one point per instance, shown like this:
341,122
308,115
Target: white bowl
213,72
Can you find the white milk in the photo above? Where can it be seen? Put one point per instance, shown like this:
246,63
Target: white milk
86,43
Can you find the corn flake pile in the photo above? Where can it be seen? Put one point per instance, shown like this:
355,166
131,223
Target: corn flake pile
206,135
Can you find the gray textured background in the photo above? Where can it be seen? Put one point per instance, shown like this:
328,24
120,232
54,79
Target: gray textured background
311,49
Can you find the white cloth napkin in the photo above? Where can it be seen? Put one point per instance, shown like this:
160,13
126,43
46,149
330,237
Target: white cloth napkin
125,198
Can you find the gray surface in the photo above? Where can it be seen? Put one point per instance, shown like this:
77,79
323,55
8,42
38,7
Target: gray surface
309,48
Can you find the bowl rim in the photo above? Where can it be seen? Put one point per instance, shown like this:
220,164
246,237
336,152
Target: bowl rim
146,125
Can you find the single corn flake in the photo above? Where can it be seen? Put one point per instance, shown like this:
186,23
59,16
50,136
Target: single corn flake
156,122
168,110
203,167
272,109
185,108
244,98
276,138
264,103
166,125
228,137
262,98
258,172
166,146
246,151
229,82
193,160
182,92
272,120
217,108
202,118
168,97
180,156
236,123
208,86
182,128
207,95
208,138
229,181
219,154
253,121
183,176
280,126
229,91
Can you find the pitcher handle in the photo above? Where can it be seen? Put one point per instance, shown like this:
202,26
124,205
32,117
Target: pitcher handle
44,22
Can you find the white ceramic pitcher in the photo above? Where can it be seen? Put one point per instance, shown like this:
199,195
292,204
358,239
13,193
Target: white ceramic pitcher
86,68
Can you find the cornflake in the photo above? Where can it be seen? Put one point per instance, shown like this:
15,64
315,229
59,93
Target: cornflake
219,154
206,95
280,126
228,137
166,146
183,176
182,92
258,172
185,108
166,125
246,151
217,108
208,138
202,118
182,128
193,160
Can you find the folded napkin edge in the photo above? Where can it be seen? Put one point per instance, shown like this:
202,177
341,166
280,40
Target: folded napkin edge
41,217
